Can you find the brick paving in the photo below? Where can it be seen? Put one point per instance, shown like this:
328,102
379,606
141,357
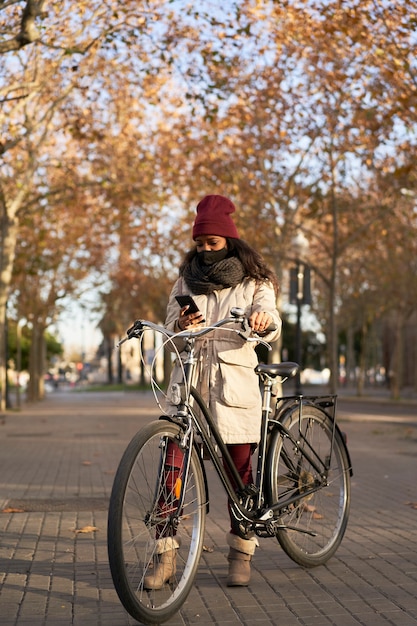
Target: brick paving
57,463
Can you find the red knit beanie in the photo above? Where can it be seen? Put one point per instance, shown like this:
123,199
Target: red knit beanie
213,217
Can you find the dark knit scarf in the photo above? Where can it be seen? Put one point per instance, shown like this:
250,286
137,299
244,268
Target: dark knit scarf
204,279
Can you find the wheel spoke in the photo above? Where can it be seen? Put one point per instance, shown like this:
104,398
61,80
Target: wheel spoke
144,513
322,511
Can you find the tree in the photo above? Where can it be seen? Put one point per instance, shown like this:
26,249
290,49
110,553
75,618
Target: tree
18,23
50,90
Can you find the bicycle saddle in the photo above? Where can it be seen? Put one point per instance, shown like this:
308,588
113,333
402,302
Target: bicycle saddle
287,369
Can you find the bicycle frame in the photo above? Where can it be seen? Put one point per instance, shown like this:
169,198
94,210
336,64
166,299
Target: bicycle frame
247,501
252,494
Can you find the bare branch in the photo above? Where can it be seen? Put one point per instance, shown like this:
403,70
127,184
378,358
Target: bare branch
29,32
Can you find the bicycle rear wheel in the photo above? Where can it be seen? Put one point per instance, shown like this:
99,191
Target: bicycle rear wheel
316,522
144,507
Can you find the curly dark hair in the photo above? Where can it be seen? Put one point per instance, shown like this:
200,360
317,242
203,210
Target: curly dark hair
253,262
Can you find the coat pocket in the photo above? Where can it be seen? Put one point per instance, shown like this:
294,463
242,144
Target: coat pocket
239,383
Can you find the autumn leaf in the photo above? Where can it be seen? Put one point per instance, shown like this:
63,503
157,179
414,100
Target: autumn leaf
208,549
86,529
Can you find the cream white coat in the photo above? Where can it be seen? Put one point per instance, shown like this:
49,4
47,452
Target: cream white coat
225,374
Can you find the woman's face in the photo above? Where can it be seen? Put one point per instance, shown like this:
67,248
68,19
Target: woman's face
210,242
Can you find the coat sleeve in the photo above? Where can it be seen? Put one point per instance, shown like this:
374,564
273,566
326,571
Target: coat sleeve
264,299
173,309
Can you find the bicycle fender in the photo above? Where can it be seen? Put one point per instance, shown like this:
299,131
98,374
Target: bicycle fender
342,435
291,403
203,471
344,441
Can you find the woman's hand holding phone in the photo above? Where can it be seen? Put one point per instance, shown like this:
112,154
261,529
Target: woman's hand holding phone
190,315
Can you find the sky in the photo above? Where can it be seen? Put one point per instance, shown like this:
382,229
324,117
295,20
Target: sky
77,330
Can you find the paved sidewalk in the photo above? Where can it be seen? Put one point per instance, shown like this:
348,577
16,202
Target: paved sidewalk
57,463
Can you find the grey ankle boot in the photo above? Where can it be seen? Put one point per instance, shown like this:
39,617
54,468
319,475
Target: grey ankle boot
240,556
165,564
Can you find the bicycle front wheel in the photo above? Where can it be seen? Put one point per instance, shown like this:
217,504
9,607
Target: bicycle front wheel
316,522
144,510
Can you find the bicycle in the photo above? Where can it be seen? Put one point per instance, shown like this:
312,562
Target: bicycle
301,494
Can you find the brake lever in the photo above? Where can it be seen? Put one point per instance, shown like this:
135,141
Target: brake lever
256,337
134,331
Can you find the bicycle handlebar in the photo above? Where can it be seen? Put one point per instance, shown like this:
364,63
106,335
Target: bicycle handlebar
236,316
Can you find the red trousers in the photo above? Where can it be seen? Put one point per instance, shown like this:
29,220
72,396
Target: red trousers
241,454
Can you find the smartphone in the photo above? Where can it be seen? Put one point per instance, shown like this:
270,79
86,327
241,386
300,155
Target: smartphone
187,300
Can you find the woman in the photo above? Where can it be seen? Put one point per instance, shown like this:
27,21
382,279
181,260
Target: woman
221,272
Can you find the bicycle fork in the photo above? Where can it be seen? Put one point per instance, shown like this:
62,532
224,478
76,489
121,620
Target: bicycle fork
177,467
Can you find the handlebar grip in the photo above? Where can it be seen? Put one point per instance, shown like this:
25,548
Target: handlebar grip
271,328
135,329
267,330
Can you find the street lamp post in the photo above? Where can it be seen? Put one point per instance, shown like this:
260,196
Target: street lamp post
300,294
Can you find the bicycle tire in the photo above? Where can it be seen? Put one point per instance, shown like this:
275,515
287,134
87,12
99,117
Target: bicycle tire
133,523
324,512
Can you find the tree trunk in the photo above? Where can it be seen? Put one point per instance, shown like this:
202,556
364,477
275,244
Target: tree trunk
119,367
109,345
350,357
396,369
37,362
333,351
360,383
8,237
167,366
333,334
